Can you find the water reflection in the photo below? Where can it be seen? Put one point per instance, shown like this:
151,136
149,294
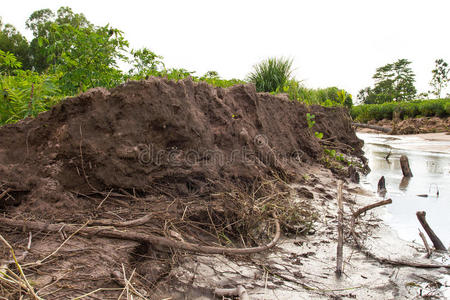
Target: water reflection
404,183
431,174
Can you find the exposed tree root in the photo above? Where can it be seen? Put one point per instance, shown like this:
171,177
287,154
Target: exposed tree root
381,259
141,237
135,222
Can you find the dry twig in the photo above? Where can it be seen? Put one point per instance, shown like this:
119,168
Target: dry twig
22,280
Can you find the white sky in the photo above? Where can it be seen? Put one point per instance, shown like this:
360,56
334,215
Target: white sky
333,43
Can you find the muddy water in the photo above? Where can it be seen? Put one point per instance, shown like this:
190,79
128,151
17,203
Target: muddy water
429,159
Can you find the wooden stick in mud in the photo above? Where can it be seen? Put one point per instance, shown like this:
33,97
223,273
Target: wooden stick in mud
340,245
404,163
381,185
433,237
5,192
425,243
371,206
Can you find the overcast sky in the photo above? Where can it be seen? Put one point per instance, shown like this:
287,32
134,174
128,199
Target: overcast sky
333,43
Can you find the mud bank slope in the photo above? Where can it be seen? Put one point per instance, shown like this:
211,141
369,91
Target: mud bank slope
413,125
185,161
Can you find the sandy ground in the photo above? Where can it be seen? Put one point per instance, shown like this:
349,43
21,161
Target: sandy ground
304,267
441,136
433,142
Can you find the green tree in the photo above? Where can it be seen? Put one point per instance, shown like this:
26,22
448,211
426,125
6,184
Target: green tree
13,42
45,27
393,82
145,63
271,75
48,44
440,77
84,55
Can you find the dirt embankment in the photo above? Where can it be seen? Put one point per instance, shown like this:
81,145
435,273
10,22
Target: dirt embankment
413,125
202,165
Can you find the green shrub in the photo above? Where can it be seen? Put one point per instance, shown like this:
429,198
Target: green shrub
413,109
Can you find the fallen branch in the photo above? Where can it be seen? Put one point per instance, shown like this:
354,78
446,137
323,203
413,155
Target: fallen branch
380,259
142,237
433,237
237,291
371,206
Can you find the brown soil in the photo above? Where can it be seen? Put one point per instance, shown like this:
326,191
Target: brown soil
414,125
209,164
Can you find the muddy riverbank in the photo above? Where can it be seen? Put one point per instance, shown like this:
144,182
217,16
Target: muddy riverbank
169,190
304,267
411,126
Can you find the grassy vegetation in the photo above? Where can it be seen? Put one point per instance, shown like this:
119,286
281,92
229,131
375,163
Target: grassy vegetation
271,75
418,108
274,75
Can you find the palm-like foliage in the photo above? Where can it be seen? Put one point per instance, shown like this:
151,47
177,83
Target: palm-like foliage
272,74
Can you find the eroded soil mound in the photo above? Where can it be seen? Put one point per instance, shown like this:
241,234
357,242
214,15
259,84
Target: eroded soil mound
416,125
208,164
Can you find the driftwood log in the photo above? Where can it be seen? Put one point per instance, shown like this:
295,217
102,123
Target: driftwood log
374,127
433,237
404,163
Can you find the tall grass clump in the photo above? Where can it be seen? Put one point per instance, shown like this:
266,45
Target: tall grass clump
271,75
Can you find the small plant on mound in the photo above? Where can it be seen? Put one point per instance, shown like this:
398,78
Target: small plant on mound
272,74
311,122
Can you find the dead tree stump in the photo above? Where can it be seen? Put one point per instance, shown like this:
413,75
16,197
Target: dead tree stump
433,237
381,185
404,163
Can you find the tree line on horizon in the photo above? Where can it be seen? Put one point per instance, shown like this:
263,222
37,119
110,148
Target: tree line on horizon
394,82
